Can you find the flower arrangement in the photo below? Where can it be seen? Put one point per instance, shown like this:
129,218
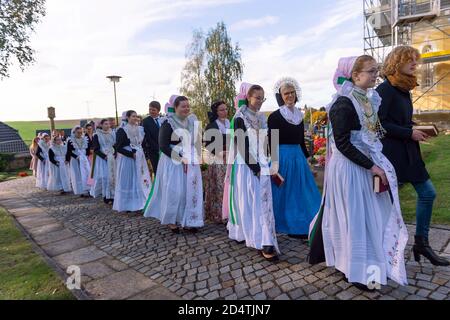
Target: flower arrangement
320,151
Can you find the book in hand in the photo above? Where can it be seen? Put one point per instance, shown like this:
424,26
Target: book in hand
378,185
431,130
278,179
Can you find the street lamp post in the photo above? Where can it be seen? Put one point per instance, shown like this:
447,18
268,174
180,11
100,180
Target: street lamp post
115,79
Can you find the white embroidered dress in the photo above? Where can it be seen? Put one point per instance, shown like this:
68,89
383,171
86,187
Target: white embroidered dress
177,196
59,176
133,183
80,168
104,169
43,166
251,217
364,234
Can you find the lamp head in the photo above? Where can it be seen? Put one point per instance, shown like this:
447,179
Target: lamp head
114,78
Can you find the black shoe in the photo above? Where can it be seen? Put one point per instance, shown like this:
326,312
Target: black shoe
358,285
175,230
105,200
63,193
363,287
422,248
191,230
298,236
268,252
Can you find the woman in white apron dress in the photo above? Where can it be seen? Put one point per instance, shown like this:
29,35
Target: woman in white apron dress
59,177
251,217
132,175
176,198
104,163
43,163
363,232
77,156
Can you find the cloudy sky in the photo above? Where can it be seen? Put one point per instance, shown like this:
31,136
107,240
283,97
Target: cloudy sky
80,42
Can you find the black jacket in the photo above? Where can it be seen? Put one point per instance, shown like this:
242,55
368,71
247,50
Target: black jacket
344,119
395,114
150,143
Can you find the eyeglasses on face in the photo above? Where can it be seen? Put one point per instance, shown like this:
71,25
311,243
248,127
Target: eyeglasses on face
290,93
261,99
372,71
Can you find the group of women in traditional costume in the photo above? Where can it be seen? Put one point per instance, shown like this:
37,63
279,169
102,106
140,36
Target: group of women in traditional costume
258,181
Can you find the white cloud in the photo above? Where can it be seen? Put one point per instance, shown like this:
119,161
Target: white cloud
268,59
254,23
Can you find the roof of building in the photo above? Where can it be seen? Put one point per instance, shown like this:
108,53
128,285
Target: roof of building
10,140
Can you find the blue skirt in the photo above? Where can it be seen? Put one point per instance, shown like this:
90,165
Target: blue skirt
297,201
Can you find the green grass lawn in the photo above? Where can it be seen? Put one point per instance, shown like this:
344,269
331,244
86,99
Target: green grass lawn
437,159
23,273
27,129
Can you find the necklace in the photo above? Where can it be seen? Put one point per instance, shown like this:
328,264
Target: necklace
371,120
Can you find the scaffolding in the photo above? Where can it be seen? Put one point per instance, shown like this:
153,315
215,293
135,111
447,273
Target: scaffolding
423,24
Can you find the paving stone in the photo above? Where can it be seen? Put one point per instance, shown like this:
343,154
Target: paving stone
318,296
274,292
80,256
54,236
156,293
66,245
345,295
96,270
423,293
297,293
437,296
120,285
427,285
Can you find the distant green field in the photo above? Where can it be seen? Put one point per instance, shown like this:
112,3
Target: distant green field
27,129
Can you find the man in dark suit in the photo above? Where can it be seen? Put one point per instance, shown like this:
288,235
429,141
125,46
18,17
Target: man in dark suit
151,126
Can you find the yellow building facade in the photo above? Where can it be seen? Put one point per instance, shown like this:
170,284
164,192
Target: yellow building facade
423,24
433,42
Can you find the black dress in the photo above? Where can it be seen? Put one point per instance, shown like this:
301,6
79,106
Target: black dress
395,114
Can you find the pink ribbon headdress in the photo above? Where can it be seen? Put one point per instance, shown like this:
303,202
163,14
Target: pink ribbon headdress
344,71
241,98
170,107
